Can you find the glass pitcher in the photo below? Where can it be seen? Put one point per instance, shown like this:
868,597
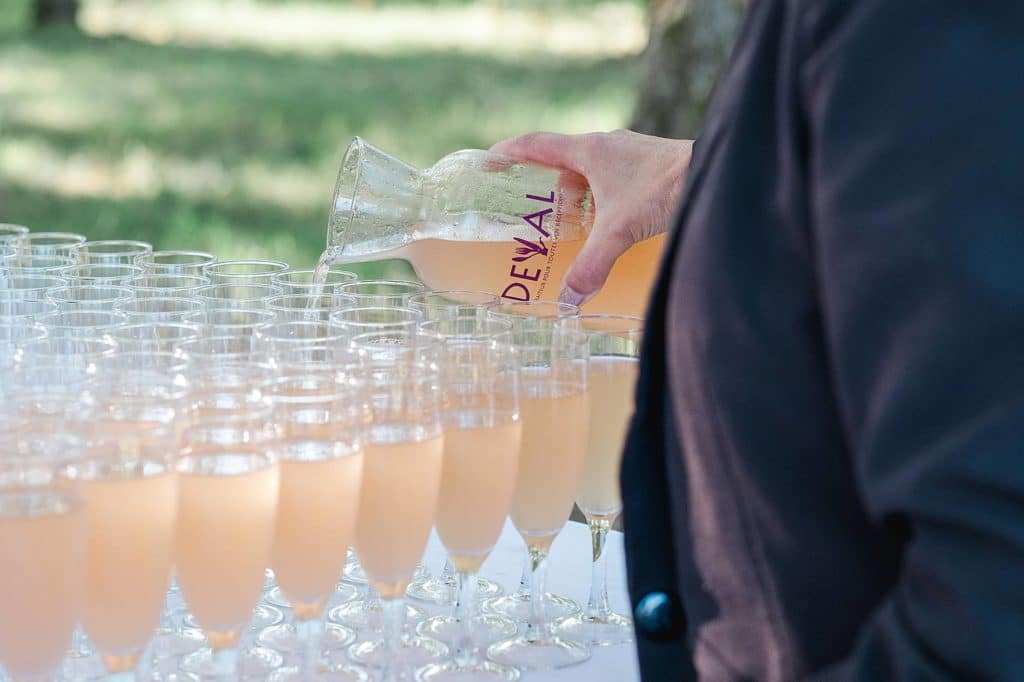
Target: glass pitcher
478,220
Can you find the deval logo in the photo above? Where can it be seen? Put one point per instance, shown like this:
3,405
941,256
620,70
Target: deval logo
528,249
520,291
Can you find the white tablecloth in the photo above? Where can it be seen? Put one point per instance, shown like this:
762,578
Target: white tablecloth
568,575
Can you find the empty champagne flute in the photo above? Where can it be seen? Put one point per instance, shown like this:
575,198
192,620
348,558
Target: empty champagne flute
159,308
81,324
237,296
555,414
229,321
614,364
30,287
381,292
153,337
453,303
319,417
302,281
9,232
305,306
175,262
482,436
42,264
367,319
109,251
244,271
183,286
100,274
49,243
402,459
89,296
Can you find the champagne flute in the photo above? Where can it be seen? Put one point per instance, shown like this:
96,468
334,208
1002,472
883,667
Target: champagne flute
91,273
228,481
244,271
42,264
148,286
175,262
381,292
375,318
555,412
237,296
42,532
516,605
229,321
109,251
483,432
130,493
614,360
9,233
453,303
49,243
402,463
319,417
153,336
304,306
29,287
159,308
89,296
303,281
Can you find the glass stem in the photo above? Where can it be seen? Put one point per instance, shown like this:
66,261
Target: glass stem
465,597
310,632
537,626
394,626
525,581
449,577
597,604
225,662
373,607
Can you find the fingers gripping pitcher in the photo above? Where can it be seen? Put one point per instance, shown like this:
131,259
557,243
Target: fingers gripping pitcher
477,220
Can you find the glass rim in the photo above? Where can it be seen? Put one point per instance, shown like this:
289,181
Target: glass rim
132,247
53,238
272,267
416,287
565,310
152,257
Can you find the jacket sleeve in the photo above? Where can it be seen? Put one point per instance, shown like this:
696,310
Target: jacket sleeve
915,153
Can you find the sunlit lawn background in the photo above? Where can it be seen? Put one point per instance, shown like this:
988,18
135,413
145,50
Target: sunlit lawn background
218,125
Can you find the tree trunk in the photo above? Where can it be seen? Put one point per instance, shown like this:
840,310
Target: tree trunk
689,43
54,12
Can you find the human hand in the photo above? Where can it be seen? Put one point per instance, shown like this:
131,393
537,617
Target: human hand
636,180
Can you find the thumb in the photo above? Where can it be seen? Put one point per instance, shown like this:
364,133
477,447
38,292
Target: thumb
552,149
588,272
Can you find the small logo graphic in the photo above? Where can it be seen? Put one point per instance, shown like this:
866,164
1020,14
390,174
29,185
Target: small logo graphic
528,249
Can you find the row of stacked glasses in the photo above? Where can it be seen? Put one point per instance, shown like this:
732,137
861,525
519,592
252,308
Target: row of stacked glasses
192,446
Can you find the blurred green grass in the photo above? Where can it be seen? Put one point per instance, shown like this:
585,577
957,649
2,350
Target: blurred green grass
240,146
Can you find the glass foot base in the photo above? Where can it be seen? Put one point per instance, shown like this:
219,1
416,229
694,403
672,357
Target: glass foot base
483,671
358,616
517,606
263,616
442,592
287,641
485,629
607,630
412,651
549,653
251,664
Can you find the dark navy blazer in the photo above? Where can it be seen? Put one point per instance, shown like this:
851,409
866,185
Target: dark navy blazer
825,475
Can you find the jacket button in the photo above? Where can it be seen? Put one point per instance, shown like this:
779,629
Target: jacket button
659,617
